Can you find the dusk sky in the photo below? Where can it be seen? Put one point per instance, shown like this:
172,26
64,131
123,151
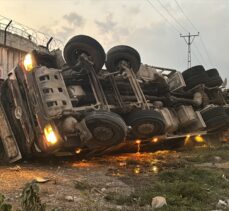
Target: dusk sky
153,29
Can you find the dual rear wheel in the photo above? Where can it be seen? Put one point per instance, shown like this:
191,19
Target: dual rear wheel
82,44
109,129
197,75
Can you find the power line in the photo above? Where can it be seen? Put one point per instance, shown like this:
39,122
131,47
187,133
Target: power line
199,53
173,26
196,57
206,51
201,40
161,14
182,11
171,15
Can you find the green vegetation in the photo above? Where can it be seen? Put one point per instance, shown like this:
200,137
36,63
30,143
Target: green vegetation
82,185
207,154
30,199
185,188
4,206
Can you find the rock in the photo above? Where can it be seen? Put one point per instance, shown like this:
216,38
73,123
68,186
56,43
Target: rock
222,204
69,198
217,159
119,207
15,168
158,202
103,189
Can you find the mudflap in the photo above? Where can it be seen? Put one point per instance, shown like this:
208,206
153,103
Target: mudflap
9,142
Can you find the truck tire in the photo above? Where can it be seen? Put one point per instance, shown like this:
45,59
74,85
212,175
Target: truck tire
215,118
84,44
107,128
217,123
212,112
119,53
212,72
193,71
214,81
195,80
145,123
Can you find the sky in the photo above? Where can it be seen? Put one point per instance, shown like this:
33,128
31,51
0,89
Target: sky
152,27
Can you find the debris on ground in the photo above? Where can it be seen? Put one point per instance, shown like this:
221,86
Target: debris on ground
41,180
223,204
69,198
158,202
15,168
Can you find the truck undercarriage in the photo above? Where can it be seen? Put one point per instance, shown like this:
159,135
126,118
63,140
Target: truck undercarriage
51,105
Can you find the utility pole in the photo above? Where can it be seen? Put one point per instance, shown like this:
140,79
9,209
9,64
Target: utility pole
189,40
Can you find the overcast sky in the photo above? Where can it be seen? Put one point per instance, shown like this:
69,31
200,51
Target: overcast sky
136,23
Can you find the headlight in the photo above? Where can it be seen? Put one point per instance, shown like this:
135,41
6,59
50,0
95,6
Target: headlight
50,134
29,62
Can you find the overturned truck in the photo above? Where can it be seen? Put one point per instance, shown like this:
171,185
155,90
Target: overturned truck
52,104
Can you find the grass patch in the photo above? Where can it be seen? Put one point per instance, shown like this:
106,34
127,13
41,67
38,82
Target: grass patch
82,185
118,198
184,189
4,206
208,154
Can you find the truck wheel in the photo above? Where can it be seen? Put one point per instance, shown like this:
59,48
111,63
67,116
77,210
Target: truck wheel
212,72
84,44
107,128
218,122
196,79
145,123
122,53
215,118
214,82
196,70
213,112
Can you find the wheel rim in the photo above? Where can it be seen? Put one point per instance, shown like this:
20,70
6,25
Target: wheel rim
103,133
146,128
107,129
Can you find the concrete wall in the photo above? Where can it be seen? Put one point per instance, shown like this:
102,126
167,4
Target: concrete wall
17,42
9,58
16,47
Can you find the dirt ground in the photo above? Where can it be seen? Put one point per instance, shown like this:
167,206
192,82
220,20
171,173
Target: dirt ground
126,181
